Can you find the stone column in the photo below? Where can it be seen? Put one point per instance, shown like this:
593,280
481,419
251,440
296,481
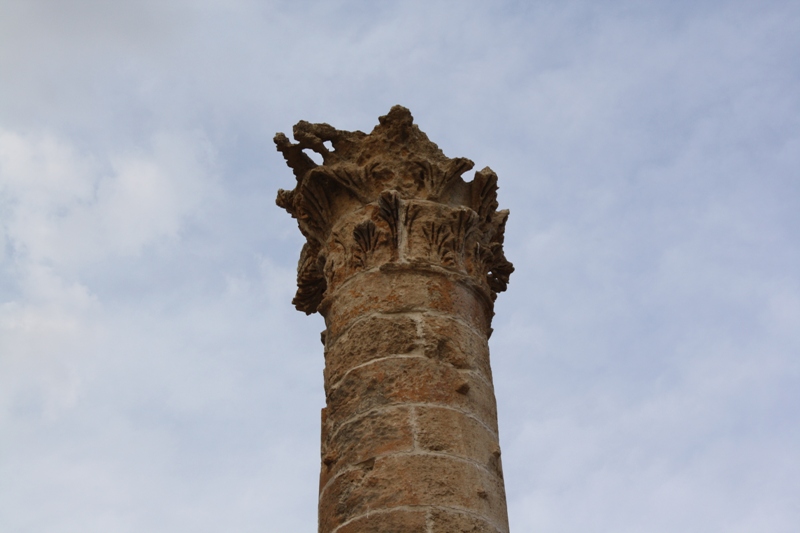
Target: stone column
404,260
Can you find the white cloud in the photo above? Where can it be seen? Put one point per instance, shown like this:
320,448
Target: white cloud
64,211
67,210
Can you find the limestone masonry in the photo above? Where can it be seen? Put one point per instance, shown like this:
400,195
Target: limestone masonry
404,259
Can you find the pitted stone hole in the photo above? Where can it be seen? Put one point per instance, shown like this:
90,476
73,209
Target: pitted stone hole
328,145
317,158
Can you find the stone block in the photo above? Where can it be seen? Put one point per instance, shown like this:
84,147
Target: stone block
399,380
447,521
450,340
452,432
398,521
368,339
400,290
361,439
411,480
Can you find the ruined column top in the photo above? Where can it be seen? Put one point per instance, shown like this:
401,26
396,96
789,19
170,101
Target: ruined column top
389,199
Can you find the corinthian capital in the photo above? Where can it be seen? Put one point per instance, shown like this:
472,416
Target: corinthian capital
389,199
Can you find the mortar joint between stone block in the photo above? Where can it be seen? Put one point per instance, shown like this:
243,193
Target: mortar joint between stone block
456,318
429,522
477,374
410,355
359,416
414,315
414,427
470,512
331,340
431,269
425,453
446,456
372,512
417,352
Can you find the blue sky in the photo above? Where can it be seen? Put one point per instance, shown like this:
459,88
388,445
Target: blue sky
154,375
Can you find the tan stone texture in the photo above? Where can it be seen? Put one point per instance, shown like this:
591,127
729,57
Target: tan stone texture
411,380
450,340
363,438
402,290
448,431
397,521
412,480
373,338
404,260
451,521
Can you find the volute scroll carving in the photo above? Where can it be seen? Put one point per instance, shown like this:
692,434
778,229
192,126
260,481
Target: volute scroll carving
390,196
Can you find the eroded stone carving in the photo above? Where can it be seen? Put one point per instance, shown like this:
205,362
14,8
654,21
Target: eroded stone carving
403,258
393,189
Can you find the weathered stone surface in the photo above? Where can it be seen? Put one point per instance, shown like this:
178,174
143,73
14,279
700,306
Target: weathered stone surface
397,521
402,290
451,521
448,431
404,380
404,259
390,196
376,433
412,480
450,340
368,339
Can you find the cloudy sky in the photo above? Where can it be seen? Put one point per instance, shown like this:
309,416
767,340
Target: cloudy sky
154,375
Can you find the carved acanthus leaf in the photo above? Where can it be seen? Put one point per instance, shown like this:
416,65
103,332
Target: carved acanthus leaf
311,283
351,177
313,136
297,160
441,243
313,209
435,178
484,193
464,227
389,210
484,257
388,196
366,238
499,268
285,200
412,211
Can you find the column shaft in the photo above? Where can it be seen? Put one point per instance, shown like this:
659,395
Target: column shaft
409,436
404,260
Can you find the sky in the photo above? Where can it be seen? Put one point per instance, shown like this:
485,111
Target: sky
154,375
